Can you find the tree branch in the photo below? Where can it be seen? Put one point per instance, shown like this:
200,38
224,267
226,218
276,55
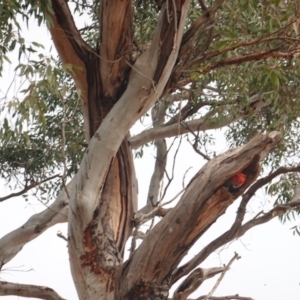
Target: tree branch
116,23
232,232
141,92
235,257
71,49
12,243
139,96
193,281
195,145
28,291
231,297
64,26
247,44
208,14
268,38
158,117
69,44
27,188
249,57
188,110
275,212
202,26
158,211
204,200
201,124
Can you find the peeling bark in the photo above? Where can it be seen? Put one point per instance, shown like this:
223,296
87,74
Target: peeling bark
204,200
71,49
116,21
232,233
102,202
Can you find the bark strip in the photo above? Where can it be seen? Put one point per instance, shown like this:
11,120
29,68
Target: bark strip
204,200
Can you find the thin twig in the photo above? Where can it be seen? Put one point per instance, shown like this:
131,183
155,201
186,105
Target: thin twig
170,179
63,147
60,235
28,187
195,146
183,178
174,198
235,257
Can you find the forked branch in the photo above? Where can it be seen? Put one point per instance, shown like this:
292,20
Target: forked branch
235,257
203,201
193,282
237,229
278,210
204,123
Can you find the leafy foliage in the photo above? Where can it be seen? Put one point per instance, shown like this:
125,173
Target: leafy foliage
32,140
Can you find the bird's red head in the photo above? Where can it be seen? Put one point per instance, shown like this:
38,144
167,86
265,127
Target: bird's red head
238,180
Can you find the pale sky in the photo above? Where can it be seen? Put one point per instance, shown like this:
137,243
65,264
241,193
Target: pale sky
269,267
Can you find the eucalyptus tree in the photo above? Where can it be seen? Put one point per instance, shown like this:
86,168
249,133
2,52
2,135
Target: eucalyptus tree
197,66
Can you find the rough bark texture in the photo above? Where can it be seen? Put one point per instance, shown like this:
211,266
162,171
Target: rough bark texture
101,82
204,200
116,21
103,200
